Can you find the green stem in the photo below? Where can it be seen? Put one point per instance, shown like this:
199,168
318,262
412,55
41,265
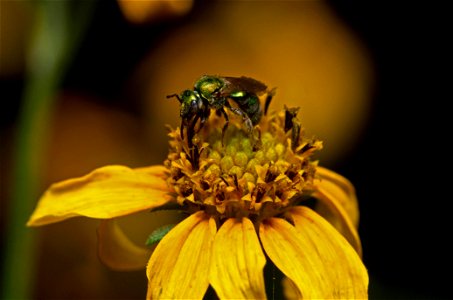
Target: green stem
52,45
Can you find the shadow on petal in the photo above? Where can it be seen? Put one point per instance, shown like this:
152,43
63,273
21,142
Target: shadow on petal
117,251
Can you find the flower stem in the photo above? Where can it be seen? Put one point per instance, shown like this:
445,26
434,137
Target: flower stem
51,47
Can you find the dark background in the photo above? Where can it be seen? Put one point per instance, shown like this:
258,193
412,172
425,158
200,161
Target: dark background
399,166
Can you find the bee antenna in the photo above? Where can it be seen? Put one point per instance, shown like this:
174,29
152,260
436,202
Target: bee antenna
176,96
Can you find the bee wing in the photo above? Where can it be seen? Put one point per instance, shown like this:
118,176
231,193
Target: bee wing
243,83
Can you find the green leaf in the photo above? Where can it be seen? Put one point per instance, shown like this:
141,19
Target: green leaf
158,234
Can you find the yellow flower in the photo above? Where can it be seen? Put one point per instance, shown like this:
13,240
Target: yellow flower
246,195
143,11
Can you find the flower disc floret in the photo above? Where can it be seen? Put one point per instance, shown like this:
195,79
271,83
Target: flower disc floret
253,175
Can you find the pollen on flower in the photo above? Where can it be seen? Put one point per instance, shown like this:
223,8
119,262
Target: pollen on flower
255,175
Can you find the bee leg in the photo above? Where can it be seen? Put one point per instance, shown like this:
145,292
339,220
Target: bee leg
204,116
223,112
193,149
175,96
202,121
269,96
191,130
245,117
181,129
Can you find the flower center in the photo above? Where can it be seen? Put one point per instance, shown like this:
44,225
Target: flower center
256,175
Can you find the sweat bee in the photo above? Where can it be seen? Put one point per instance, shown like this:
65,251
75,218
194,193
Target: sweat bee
215,92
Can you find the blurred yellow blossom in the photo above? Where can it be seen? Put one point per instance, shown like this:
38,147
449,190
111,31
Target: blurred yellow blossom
141,11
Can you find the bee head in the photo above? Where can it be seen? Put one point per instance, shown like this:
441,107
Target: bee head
191,103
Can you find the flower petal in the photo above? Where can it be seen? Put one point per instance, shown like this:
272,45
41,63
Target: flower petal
290,290
296,257
105,193
116,251
341,186
157,170
332,203
238,262
179,266
342,268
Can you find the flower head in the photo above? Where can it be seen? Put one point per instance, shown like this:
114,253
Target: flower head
245,195
239,177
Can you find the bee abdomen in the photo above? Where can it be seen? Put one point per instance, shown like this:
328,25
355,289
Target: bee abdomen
250,104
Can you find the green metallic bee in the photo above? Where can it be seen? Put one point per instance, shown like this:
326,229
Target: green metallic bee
215,92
